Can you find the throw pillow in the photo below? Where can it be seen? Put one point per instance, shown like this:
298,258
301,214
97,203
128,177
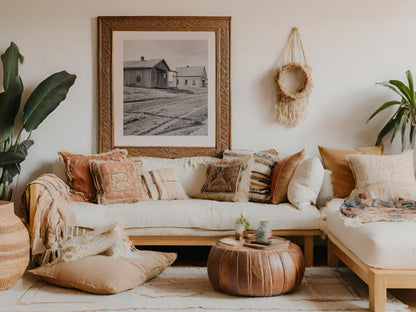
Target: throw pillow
327,192
306,183
384,177
106,275
228,179
261,173
77,169
164,184
118,181
283,172
336,161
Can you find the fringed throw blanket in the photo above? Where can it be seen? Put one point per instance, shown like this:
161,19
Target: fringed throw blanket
359,210
51,220
51,227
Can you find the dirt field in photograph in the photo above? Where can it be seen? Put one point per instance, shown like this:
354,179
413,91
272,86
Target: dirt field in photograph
165,112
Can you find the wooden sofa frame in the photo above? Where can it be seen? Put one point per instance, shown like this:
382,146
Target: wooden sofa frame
378,280
306,236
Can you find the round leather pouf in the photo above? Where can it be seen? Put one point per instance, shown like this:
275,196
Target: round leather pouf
245,271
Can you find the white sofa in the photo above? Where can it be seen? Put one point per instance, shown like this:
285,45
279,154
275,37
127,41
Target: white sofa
194,221
382,254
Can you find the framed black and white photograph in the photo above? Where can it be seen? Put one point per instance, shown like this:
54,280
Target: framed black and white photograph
164,85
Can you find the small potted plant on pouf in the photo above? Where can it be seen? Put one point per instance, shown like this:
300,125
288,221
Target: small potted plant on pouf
241,225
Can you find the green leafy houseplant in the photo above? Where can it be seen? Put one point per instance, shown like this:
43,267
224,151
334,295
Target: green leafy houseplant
404,118
41,102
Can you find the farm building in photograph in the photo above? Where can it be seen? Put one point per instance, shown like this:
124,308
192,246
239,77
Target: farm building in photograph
191,77
146,73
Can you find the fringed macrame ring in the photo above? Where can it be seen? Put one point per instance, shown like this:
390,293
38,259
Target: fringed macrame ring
291,103
304,84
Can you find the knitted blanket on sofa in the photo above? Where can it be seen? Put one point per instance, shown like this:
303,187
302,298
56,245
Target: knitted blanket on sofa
360,210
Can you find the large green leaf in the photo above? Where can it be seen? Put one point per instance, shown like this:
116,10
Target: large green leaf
45,98
383,107
9,172
10,60
16,154
412,135
386,129
13,89
411,87
403,134
398,120
403,89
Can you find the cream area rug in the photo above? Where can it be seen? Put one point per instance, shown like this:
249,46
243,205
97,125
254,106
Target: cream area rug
188,289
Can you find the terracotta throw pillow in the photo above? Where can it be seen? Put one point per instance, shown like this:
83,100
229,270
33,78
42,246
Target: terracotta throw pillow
106,275
384,177
118,181
283,172
228,179
164,184
336,161
77,169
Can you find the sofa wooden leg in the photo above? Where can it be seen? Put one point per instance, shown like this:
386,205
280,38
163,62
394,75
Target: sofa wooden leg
308,250
377,292
333,260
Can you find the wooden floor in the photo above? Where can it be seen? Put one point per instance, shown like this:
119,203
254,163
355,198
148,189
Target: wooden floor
198,255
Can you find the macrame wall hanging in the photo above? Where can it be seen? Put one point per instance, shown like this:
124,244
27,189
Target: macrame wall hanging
293,82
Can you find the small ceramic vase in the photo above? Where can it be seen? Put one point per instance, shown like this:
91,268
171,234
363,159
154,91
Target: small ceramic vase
263,231
239,230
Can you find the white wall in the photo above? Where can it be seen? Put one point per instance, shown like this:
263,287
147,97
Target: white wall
350,45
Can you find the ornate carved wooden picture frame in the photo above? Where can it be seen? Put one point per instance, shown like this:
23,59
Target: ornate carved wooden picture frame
164,85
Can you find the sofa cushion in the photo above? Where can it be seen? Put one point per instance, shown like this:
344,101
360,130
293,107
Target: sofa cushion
228,179
336,161
306,183
385,245
167,184
118,181
261,172
191,170
384,177
77,169
195,213
282,175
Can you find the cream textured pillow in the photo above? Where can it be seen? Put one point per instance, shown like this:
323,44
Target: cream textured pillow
306,183
327,191
336,161
384,177
228,179
106,275
164,184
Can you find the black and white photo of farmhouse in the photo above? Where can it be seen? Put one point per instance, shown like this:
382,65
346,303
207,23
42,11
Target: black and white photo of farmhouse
165,87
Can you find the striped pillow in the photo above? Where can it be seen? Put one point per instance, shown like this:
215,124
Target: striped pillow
261,172
164,184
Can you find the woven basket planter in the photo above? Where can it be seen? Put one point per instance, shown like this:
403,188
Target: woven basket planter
14,246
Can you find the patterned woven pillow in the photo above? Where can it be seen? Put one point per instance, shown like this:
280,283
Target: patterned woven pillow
77,169
164,184
118,181
384,177
261,173
228,179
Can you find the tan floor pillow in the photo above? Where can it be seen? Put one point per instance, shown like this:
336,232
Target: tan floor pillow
106,275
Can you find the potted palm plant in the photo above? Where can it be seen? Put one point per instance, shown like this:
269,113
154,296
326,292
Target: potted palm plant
404,117
15,137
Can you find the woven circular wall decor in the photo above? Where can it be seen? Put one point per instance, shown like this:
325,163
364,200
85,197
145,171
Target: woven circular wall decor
293,83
